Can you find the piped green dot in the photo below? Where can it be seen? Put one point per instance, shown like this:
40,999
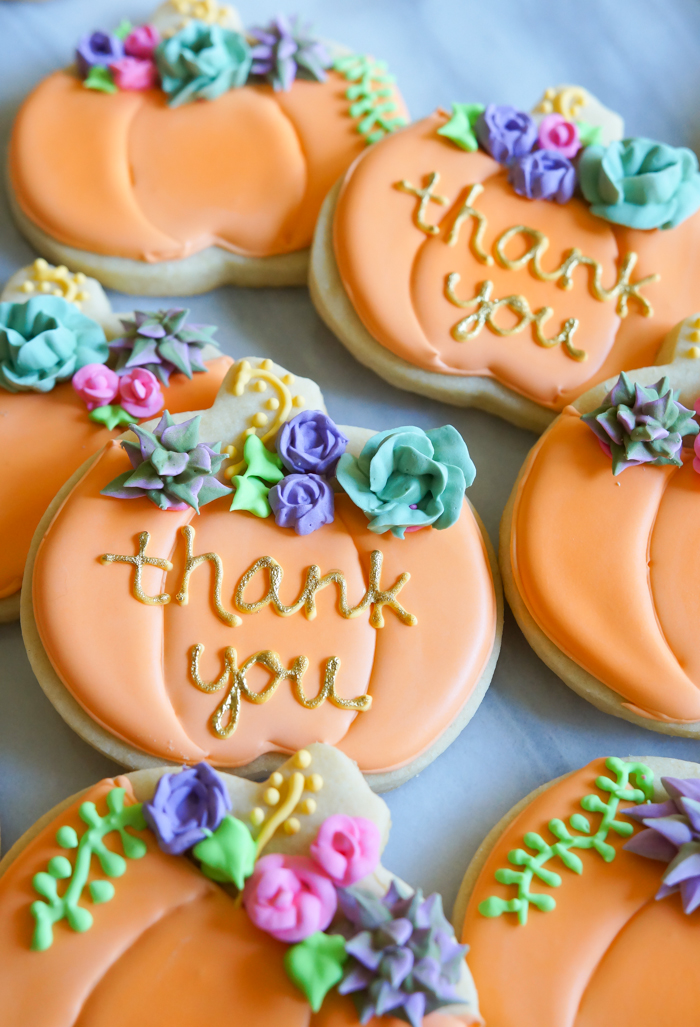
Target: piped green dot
60,867
67,837
101,891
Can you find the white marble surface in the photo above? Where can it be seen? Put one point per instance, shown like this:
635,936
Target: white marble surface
641,57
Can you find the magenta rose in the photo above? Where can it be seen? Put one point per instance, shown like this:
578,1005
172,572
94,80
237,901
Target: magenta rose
96,385
347,848
556,133
132,73
141,42
289,897
140,393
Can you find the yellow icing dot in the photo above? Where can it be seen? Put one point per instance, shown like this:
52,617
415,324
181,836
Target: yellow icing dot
695,323
276,779
266,365
230,451
260,385
249,431
298,401
271,797
302,759
308,806
288,379
694,336
291,826
257,816
230,472
259,420
27,286
314,782
44,287
693,352
272,403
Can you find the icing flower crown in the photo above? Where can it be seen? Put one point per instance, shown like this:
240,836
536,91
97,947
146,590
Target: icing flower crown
554,153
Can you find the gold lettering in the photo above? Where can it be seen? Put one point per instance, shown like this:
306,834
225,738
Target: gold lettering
139,562
192,562
424,195
477,236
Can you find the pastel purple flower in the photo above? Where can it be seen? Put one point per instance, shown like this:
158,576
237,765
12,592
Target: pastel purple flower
543,175
505,133
311,443
304,502
186,807
98,48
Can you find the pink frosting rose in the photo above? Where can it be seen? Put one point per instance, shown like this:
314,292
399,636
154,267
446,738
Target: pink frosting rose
96,384
132,73
347,848
289,897
556,133
140,393
142,41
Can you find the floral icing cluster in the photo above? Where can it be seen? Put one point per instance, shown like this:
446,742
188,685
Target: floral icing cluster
642,424
635,182
162,342
394,954
201,61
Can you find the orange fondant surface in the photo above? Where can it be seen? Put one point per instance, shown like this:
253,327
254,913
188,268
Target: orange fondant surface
395,274
171,949
608,955
128,663
46,437
608,567
126,176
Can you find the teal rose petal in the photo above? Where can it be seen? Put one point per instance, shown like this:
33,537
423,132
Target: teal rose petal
201,62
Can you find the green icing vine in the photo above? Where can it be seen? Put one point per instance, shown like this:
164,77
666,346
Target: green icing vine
562,848
370,95
56,908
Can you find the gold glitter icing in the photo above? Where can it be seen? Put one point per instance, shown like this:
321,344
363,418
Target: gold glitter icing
224,720
139,561
191,563
424,197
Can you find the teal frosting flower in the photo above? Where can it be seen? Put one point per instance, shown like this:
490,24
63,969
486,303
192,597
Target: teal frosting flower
407,478
45,341
201,62
641,183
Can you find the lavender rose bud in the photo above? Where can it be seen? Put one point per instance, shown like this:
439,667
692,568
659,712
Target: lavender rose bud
505,132
101,48
186,807
304,502
310,443
543,175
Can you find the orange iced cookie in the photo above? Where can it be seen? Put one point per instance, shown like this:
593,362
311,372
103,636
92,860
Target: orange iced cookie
558,906
506,260
56,326
597,544
196,899
303,583
183,154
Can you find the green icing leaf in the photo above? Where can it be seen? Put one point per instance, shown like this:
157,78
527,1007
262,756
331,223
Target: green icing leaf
111,416
251,495
261,462
227,855
315,965
590,135
123,30
460,128
100,79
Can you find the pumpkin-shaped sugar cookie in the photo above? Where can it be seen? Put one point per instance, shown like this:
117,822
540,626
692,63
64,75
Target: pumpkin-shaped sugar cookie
598,543
506,260
254,578
72,375
574,916
197,899
185,153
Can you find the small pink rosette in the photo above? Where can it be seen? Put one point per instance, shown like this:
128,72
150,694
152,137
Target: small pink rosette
556,133
140,393
96,385
347,848
289,897
133,74
141,42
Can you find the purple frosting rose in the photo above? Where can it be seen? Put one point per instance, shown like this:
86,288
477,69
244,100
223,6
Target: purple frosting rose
505,132
98,48
304,502
186,807
543,175
310,443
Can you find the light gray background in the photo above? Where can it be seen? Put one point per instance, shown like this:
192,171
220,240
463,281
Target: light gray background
640,57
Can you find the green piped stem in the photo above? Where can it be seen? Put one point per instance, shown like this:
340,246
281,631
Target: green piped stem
371,95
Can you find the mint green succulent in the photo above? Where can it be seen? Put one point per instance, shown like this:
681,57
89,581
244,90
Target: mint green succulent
201,62
409,478
45,341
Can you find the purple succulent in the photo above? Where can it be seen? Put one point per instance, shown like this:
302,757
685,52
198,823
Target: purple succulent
505,133
162,342
543,175
641,424
186,808
404,957
672,835
285,49
98,48
170,467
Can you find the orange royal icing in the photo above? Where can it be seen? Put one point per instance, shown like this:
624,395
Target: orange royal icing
171,949
608,567
608,955
46,437
127,176
128,664
395,273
